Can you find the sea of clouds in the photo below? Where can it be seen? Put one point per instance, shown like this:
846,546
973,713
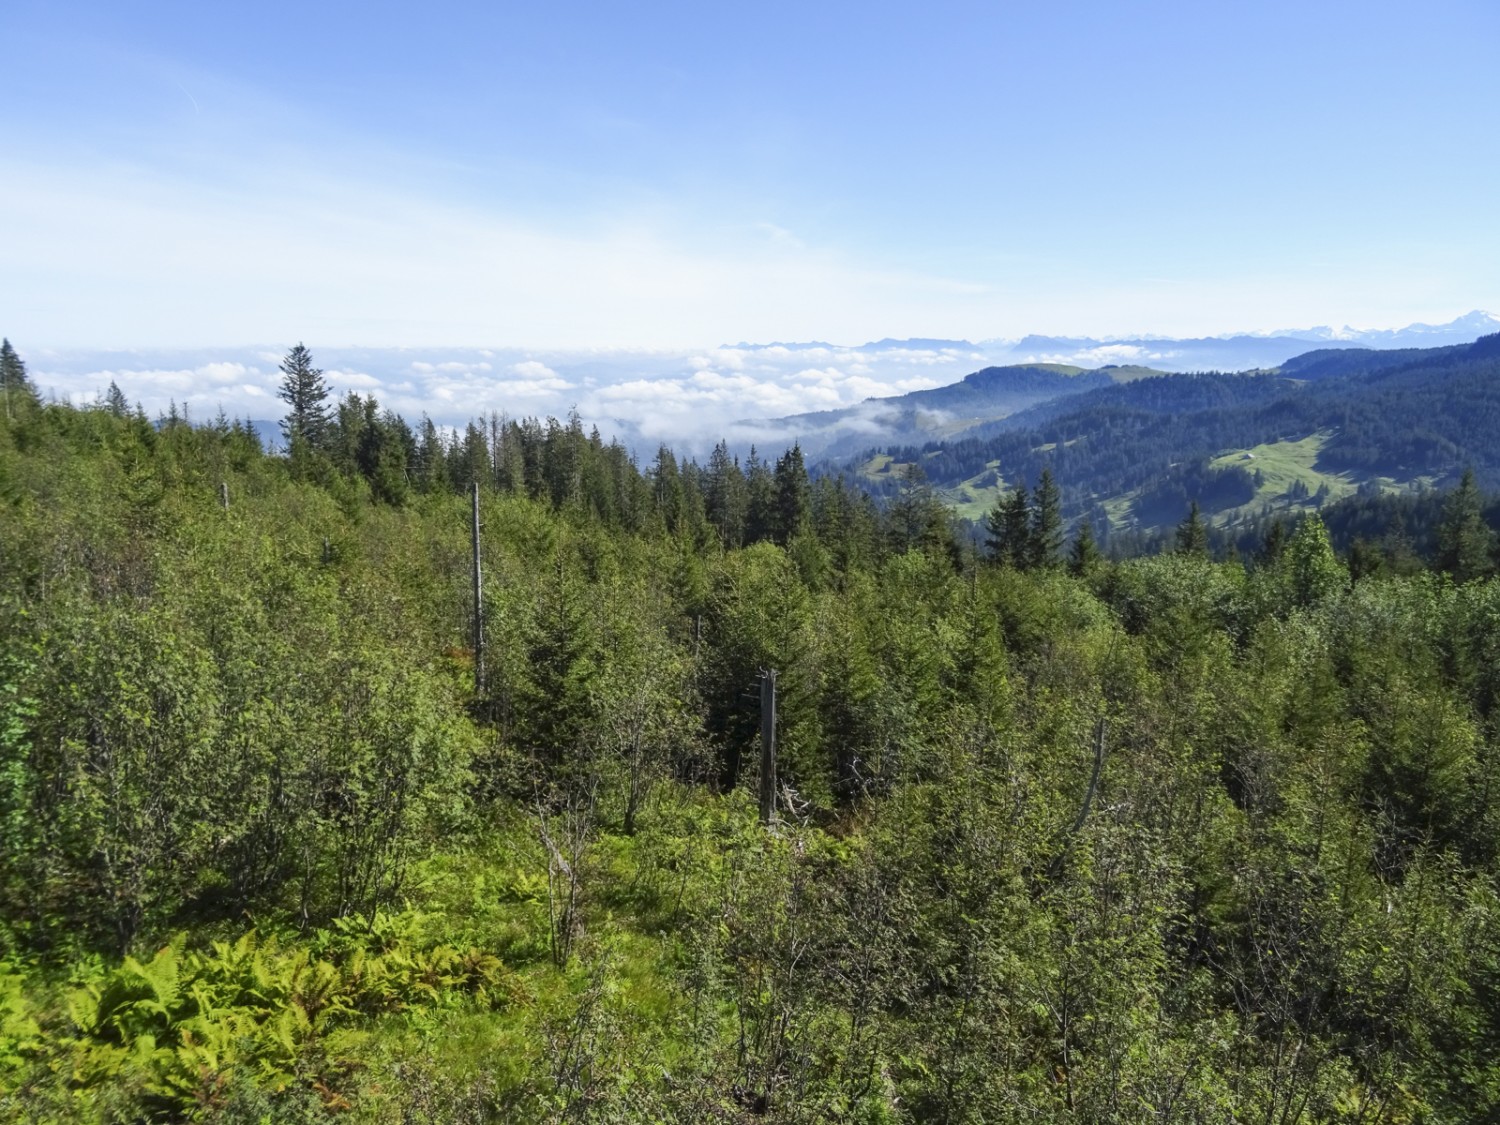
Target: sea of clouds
687,398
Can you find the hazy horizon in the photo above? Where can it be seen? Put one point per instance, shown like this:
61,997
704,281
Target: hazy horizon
478,207
590,176
688,397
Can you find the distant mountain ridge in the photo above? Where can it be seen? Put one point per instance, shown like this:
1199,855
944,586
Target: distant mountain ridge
983,396
1013,382
1461,329
1132,456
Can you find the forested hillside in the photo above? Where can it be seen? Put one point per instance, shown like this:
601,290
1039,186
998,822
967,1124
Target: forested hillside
1162,839
1132,456
919,416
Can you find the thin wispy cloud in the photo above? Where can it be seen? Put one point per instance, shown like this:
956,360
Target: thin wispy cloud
358,264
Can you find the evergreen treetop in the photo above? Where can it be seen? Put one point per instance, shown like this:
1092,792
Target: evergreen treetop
793,494
1192,534
14,383
1008,528
1084,556
1044,548
1464,540
304,390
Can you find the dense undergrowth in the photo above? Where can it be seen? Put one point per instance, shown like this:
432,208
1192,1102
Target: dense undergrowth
1168,840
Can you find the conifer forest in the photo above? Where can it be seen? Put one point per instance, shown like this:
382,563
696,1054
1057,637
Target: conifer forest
312,812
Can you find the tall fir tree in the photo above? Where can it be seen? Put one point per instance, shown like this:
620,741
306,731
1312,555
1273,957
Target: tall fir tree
430,461
1192,534
1464,539
1008,528
471,461
666,481
725,496
904,515
793,494
382,453
760,505
114,400
1046,542
15,385
304,390
347,431
1084,557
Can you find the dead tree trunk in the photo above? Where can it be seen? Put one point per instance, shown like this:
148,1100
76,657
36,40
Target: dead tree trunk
1055,868
767,745
1088,796
478,604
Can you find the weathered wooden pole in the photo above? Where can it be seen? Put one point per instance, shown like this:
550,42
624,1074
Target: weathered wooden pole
1055,868
767,745
478,604
1088,795
224,495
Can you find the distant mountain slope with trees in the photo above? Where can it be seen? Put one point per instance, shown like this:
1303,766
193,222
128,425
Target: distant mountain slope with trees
1408,418
991,393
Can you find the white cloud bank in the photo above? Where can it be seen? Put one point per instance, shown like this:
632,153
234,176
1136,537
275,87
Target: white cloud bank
688,398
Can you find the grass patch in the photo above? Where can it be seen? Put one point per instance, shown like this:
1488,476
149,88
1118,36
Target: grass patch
1284,465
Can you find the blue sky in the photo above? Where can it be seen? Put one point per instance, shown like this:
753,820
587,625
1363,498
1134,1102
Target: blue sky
662,175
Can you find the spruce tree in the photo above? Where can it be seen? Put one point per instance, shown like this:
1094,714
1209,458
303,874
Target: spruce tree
1464,540
303,389
917,518
760,504
1084,558
793,494
381,453
431,459
1046,542
1009,529
346,432
14,384
473,460
667,487
1192,534
725,495
114,401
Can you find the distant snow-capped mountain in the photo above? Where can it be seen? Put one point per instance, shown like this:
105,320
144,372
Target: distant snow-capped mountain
1468,327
